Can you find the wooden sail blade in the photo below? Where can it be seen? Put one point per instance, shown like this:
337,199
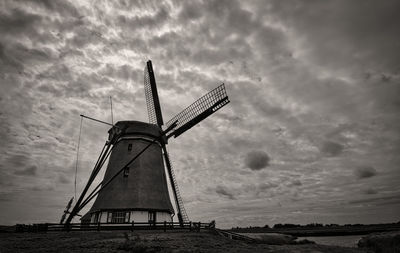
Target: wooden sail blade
182,215
69,204
199,110
63,218
152,101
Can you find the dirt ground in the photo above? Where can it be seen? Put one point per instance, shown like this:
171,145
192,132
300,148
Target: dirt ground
145,241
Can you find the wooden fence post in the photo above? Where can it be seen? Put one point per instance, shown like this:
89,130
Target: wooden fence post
98,226
133,224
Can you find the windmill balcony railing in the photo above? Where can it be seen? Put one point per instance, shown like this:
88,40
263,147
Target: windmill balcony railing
132,226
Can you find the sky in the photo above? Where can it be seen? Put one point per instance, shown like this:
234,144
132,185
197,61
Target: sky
311,133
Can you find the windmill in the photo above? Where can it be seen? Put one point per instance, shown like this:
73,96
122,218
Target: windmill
135,185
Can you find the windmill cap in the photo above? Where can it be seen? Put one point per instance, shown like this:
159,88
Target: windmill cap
133,127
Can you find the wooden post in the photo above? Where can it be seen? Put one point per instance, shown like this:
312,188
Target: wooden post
133,224
98,226
165,226
212,224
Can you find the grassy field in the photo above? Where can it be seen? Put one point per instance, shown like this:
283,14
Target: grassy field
145,241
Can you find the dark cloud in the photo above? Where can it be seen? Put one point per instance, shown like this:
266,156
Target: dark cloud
18,161
143,22
339,27
123,72
331,148
190,11
296,182
7,61
84,37
370,191
17,21
262,189
223,191
21,57
6,197
64,179
256,160
385,200
6,180
365,172
266,186
28,171
64,8
273,44
268,109
42,188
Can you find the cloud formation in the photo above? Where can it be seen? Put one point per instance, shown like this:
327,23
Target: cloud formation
370,191
223,191
63,179
256,160
331,148
296,182
365,172
317,98
28,171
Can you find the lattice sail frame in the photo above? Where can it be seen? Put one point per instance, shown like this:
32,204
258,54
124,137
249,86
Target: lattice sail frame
152,101
149,97
199,110
180,206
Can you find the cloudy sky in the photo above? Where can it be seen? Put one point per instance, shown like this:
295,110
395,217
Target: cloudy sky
311,133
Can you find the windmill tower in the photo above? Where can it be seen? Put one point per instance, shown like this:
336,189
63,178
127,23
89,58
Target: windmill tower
135,183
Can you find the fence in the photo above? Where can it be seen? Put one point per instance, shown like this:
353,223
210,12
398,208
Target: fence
49,227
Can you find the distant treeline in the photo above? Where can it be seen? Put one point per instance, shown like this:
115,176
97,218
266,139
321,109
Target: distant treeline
312,225
319,229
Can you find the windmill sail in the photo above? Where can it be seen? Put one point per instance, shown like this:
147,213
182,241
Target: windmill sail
66,211
69,204
152,101
199,110
63,218
182,215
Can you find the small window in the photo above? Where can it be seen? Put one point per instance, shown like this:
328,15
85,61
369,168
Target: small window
152,217
130,147
118,217
126,171
96,218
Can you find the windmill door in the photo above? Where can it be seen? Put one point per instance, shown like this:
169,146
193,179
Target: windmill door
152,217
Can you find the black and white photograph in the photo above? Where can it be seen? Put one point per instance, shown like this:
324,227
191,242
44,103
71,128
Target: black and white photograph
200,126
